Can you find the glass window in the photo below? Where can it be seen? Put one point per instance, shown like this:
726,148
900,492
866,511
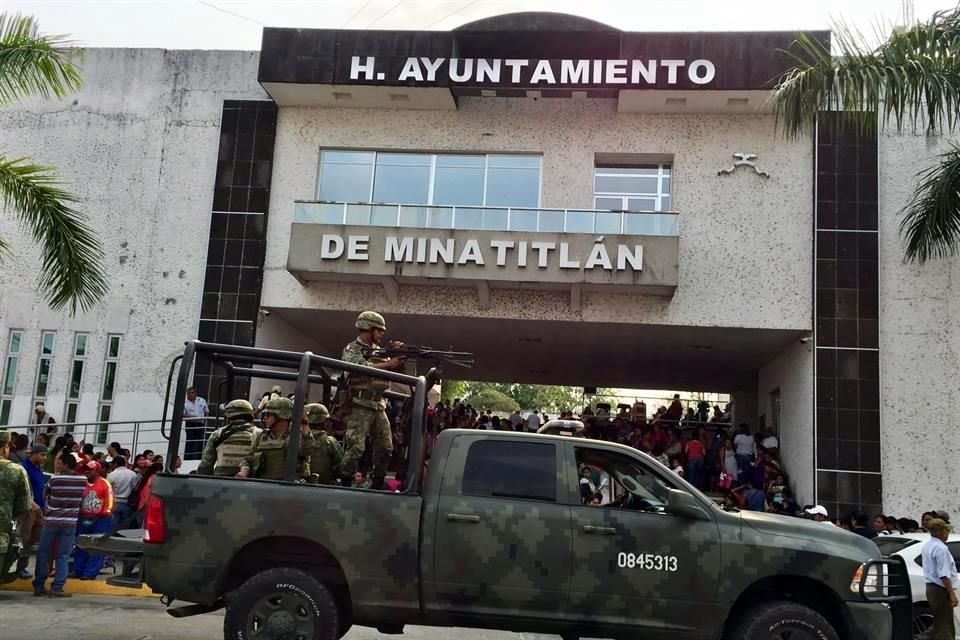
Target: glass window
46,347
579,222
551,221
502,469
495,220
114,350
9,380
109,380
632,188
346,175
5,406
403,178
80,346
468,219
43,377
10,376
15,339
76,377
108,385
47,339
458,180
607,223
521,220
358,214
623,482
440,218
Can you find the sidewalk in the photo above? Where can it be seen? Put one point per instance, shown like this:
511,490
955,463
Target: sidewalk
75,586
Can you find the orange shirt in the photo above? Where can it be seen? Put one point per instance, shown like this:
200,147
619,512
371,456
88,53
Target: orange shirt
97,499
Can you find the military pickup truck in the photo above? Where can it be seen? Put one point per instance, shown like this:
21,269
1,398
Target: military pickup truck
494,534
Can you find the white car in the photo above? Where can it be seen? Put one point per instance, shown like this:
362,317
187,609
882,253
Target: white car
909,546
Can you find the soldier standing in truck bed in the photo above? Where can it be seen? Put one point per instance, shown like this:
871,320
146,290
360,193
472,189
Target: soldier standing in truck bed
325,453
267,459
229,445
366,409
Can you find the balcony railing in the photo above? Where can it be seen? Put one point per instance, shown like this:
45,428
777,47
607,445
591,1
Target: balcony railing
487,218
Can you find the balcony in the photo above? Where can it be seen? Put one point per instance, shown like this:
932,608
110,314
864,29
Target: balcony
541,220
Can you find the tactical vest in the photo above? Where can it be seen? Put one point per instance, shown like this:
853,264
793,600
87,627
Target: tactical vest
233,450
273,457
370,389
322,458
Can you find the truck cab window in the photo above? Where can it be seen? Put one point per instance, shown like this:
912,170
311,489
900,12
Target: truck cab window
499,469
612,480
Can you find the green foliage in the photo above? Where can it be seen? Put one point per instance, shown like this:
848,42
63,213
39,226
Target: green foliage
912,78
490,398
528,397
71,273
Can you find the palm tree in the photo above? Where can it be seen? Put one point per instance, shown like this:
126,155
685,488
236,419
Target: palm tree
911,79
71,273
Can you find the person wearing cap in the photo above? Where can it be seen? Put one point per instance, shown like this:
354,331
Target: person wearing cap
275,392
366,413
15,500
268,458
31,523
819,514
96,516
229,445
325,453
940,576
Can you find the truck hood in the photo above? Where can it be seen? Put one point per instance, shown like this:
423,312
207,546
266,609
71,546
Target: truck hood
848,543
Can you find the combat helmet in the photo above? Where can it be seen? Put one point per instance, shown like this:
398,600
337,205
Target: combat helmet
370,320
238,408
280,407
317,414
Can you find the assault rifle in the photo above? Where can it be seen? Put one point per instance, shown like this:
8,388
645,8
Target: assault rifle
420,352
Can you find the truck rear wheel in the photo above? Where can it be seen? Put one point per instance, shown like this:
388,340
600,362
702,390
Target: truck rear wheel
281,604
783,621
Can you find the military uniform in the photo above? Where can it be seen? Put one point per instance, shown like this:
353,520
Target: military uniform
267,458
325,454
229,445
366,410
15,499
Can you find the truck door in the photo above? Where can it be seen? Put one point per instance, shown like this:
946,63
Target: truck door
635,565
502,535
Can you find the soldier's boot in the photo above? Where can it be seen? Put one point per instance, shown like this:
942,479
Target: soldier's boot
377,483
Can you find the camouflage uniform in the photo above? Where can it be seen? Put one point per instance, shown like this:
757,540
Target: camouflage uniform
267,458
325,454
15,497
366,414
223,456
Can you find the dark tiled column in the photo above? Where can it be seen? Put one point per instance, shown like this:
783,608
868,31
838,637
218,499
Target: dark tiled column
847,365
238,232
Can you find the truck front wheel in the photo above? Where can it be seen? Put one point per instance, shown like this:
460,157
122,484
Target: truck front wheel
782,621
281,604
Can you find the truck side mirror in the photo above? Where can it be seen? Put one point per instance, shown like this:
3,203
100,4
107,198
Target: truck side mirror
681,503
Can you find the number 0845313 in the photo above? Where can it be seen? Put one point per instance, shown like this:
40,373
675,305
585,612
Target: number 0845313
647,562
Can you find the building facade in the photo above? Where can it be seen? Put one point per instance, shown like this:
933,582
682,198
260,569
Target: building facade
573,203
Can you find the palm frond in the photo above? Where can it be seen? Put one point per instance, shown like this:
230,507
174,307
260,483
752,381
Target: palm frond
32,64
912,78
931,223
71,273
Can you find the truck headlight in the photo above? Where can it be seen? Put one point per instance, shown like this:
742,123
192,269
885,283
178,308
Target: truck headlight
872,578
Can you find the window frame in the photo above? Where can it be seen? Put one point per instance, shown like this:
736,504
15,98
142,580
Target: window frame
41,357
107,403
431,188
664,170
71,401
510,444
16,356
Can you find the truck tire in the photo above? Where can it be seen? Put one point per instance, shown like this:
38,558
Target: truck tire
781,620
281,604
922,619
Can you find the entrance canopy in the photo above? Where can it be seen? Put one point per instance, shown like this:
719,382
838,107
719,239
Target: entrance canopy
565,352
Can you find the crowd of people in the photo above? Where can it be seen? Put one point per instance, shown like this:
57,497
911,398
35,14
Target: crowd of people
73,490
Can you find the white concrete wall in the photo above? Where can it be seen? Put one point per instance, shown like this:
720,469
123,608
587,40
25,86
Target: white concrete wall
745,241
138,144
919,348
792,372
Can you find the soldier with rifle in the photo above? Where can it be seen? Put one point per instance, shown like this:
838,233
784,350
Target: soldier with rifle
364,407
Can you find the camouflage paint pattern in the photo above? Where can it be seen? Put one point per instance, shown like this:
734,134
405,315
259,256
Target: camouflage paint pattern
227,458
15,498
268,456
361,422
323,458
506,563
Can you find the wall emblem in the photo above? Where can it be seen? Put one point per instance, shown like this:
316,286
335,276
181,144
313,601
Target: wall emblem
743,160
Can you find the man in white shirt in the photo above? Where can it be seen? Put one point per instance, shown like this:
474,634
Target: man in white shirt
123,481
533,422
770,442
515,419
940,576
195,409
819,513
745,450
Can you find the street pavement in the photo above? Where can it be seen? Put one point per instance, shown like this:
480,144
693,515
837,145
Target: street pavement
110,618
